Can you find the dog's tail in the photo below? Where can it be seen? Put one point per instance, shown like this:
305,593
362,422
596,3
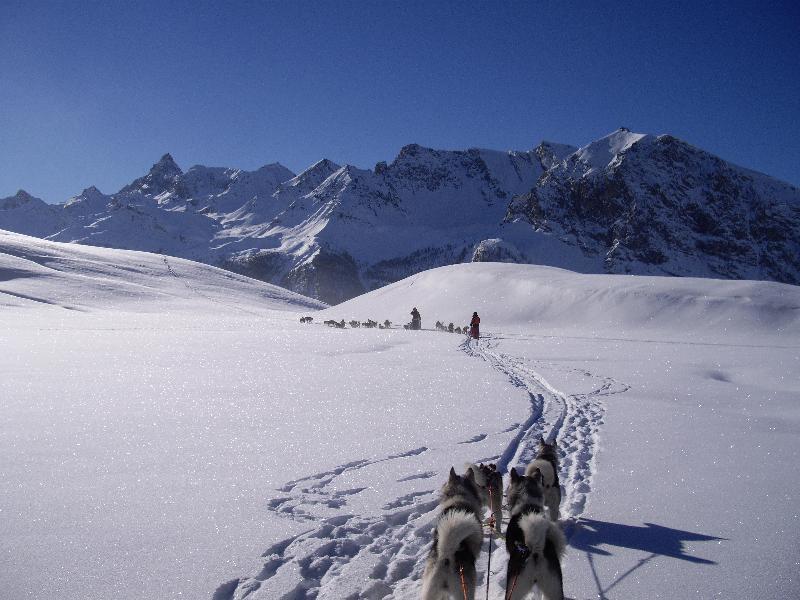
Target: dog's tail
459,539
543,536
459,531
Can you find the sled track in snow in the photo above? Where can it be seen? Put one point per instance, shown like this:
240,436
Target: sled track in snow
573,420
342,544
329,560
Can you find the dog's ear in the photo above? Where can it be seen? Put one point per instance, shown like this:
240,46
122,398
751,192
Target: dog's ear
471,476
453,477
514,476
541,440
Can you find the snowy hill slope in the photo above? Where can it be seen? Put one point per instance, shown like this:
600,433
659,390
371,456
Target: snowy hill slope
228,451
626,203
35,272
550,300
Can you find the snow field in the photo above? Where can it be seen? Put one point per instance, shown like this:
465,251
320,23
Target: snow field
170,430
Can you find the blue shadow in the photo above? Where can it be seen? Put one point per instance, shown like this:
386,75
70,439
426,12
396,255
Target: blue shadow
590,534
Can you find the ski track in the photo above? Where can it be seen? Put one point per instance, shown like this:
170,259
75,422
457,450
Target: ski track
328,561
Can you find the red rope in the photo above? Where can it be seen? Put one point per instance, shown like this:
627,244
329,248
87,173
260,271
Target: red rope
513,585
463,583
492,522
491,526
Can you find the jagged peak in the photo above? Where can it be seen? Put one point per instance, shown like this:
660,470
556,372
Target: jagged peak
315,174
565,149
552,153
275,166
353,171
19,199
166,164
161,175
89,194
324,164
414,150
602,152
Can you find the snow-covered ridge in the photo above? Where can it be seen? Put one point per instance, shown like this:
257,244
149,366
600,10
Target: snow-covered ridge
36,273
626,203
548,299
599,154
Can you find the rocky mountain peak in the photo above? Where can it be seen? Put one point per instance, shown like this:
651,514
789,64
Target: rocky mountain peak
19,199
92,191
161,177
600,153
551,153
414,151
324,165
166,164
23,196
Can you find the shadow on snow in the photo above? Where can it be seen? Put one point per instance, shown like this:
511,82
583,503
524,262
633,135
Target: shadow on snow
588,535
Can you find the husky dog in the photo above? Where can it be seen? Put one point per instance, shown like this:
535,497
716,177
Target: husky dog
534,543
490,486
457,541
546,462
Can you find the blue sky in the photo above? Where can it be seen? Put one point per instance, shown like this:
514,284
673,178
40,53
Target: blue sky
95,92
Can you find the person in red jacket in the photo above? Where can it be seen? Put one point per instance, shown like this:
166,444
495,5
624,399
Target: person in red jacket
474,326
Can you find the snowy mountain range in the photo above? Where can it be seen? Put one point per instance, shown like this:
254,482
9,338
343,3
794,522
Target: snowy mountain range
626,203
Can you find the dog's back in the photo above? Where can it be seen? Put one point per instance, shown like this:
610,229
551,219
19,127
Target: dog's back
545,545
490,484
535,544
457,541
545,468
546,463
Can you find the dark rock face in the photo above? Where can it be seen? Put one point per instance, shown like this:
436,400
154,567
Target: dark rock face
266,265
161,177
496,250
331,276
388,271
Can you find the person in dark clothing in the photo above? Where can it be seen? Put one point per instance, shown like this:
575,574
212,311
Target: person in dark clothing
474,326
416,319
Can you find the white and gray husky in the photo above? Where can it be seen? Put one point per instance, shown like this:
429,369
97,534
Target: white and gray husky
490,486
535,544
546,462
457,541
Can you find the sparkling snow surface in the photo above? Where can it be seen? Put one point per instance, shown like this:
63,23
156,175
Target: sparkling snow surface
170,430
